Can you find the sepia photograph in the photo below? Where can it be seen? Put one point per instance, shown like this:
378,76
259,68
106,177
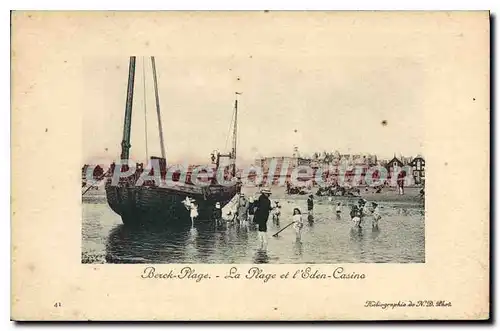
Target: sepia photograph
243,165
337,173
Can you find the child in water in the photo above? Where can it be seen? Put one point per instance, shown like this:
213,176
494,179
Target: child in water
193,209
338,210
298,223
251,209
376,215
356,216
217,214
276,212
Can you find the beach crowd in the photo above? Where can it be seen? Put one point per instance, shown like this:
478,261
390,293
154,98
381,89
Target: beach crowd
259,211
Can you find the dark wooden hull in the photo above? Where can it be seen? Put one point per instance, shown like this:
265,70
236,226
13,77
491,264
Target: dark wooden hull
152,205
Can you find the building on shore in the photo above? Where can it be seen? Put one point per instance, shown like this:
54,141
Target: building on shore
280,161
341,168
282,167
406,159
393,164
418,169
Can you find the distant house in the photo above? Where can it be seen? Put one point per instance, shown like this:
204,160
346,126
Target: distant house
265,162
395,162
405,160
418,169
391,165
371,160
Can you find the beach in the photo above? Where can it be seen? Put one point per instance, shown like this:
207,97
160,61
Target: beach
411,195
400,237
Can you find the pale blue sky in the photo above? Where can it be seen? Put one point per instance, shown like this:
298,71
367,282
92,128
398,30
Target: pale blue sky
333,87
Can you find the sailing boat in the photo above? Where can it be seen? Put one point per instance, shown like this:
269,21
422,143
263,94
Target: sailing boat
150,203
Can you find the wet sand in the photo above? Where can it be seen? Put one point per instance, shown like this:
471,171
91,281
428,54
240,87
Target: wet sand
411,195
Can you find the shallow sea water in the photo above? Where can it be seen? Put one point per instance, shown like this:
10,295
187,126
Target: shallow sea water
400,238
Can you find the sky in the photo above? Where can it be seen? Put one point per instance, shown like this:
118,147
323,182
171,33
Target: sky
310,85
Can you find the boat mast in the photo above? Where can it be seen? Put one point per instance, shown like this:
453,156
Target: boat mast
128,110
153,64
235,132
145,107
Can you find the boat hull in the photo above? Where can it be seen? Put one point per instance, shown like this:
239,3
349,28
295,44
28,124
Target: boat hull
152,205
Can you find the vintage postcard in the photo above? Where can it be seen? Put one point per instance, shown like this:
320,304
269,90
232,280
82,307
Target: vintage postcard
250,165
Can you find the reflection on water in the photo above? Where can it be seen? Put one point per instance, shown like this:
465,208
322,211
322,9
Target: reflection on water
135,245
298,248
261,257
325,238
375,232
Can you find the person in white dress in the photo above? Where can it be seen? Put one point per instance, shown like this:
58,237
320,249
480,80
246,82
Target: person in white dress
193,209
276,212
356,216
298,223
375,215
338,210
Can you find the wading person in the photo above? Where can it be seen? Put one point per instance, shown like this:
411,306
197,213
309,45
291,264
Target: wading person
310,204
361,204
356,216
338,210
193,209
276,212
401,182
298,223
251,209
242,209
263,207
364,209
194,212
217,214
376,215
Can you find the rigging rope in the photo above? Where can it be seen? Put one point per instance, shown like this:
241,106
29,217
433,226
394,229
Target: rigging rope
97,181
145,112
229,131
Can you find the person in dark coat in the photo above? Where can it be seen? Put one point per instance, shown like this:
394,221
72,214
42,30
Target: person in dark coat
263,208
310,203
401,182
251,209
217,214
